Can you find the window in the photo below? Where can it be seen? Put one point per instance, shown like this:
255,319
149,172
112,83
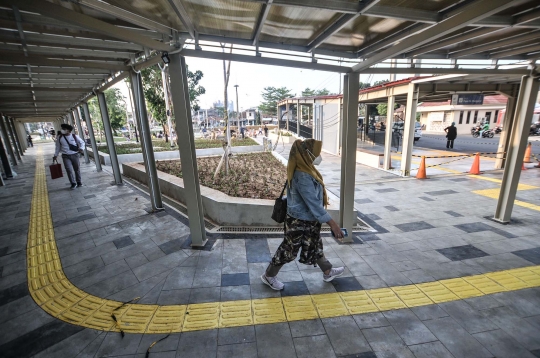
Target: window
475,117
488,117
468,117
496,118
460,117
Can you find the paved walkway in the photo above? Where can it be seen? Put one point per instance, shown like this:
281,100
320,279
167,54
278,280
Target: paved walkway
438,279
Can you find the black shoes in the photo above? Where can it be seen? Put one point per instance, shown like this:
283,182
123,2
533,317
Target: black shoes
79,185
73,186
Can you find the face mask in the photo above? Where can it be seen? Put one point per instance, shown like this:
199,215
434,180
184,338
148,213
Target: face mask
63,131
317,160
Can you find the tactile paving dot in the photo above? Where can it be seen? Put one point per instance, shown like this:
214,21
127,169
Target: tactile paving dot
268,310
299,308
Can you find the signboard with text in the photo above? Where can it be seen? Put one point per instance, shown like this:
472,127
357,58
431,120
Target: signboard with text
467,99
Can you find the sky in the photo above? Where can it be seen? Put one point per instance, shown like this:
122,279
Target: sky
253,78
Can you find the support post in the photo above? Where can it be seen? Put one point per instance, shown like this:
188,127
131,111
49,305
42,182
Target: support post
7,140
387,162
505,134
4,158
92,136
146,140
348,153
288,114
109,137
19,128
408,130
528,91
186,146
15,136
298,117
81,133
70,119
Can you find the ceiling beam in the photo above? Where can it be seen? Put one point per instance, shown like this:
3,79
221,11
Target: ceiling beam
19,100
67,52
183,15
516,51
384,41
40,61
501,42
475,11
63,14
43,89
331,28
405,14
53,70
528,16
265,9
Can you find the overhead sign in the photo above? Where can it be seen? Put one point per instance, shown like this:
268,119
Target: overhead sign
467,99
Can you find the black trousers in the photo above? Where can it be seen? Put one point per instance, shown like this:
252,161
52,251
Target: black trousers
450,143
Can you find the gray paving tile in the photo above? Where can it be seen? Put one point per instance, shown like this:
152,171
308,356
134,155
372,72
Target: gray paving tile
519,329
172,246
483,302
83,267
72,345
205,294
431,350
168,344
409,327
159,265
344,284
260,290
441,192
467,317
465,252
198,344
244,350
524,302
414,226
371,320
237,279
454,214
339,331
257,250
136,260
100,274
295,288
15,327
235,293
235,335
502,345
267,336
474,227
532,255
306,328
456,339
123,242
383,339
313,346
429,312
207,278
363,201
391,208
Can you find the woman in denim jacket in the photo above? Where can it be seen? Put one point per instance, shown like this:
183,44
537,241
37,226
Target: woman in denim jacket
306,203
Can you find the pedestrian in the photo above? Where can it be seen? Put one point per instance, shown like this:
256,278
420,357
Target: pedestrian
306,212
29,140
265,131
242,131
451,134
70,146
485,127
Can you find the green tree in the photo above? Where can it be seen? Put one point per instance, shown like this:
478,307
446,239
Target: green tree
116,107
271,96
380,82
308,92
382,108
363,85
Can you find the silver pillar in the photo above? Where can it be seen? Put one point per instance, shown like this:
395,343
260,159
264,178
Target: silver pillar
388,134
186,146
526,100
9,148
288,112
81,133
348,153
15,136
19,128
505,134
298,116
70,119
146,140
4,158
408,132
92,136
110,139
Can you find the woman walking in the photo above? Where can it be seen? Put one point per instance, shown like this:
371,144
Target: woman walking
306,203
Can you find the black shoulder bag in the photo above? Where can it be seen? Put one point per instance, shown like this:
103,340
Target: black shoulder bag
280,207
74,148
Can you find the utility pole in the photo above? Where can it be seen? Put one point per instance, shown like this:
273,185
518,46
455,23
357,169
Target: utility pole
237,108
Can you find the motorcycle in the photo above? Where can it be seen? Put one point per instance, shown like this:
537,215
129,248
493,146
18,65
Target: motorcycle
485,134
498,130
535,129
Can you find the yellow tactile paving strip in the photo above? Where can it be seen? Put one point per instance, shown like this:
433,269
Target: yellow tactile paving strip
55,294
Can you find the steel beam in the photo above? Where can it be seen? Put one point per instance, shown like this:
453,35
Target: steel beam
146,140
186,146
502,42
385,41
92,136
265,9
348,153
15,136
110,138
183,15
478,10
387,161
81,133
63,14
5,132
21,134
3,156
526,101
516,51
408,130
504,138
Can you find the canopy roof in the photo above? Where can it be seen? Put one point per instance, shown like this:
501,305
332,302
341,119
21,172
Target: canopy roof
54,53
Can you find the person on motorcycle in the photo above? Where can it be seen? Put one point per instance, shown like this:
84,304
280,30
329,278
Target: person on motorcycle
484,127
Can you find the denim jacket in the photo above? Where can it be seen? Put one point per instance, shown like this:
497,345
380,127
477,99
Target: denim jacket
305,199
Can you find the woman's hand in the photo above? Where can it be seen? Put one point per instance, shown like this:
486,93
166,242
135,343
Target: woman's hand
338,234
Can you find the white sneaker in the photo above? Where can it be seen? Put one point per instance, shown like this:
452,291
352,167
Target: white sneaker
334,272
273,282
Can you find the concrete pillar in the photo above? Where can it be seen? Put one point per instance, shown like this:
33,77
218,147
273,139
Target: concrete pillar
57,123
16,142
408,130
70,119
91,135
13,137
146,140
387,162
81,133
7,140
4,158
186,146
348,153
528,91
505,134
110,139
288,112
21,135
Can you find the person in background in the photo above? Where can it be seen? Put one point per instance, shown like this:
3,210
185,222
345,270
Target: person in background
265,131
306,211
70,146
242,131
451,134
29,140
484,127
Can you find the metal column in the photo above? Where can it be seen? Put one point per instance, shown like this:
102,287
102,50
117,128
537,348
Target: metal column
186,146
146,141
298,116
92,136
70,119
19,128
12,135
4,158
16,143
81,133
348,153
110,139
408,132
505,134
6,139
288,114
526,100
387,164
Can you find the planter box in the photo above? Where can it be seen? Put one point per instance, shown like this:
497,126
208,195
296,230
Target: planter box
221,208
104,158
370,158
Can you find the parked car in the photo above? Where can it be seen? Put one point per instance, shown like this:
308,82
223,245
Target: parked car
398,127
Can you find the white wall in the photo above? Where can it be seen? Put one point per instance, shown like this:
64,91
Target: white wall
436,119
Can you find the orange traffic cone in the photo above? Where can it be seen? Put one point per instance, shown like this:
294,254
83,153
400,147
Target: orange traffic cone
523,167
527,158
475,169
422,170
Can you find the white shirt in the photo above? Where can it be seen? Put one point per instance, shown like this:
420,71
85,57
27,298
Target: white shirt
62,144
